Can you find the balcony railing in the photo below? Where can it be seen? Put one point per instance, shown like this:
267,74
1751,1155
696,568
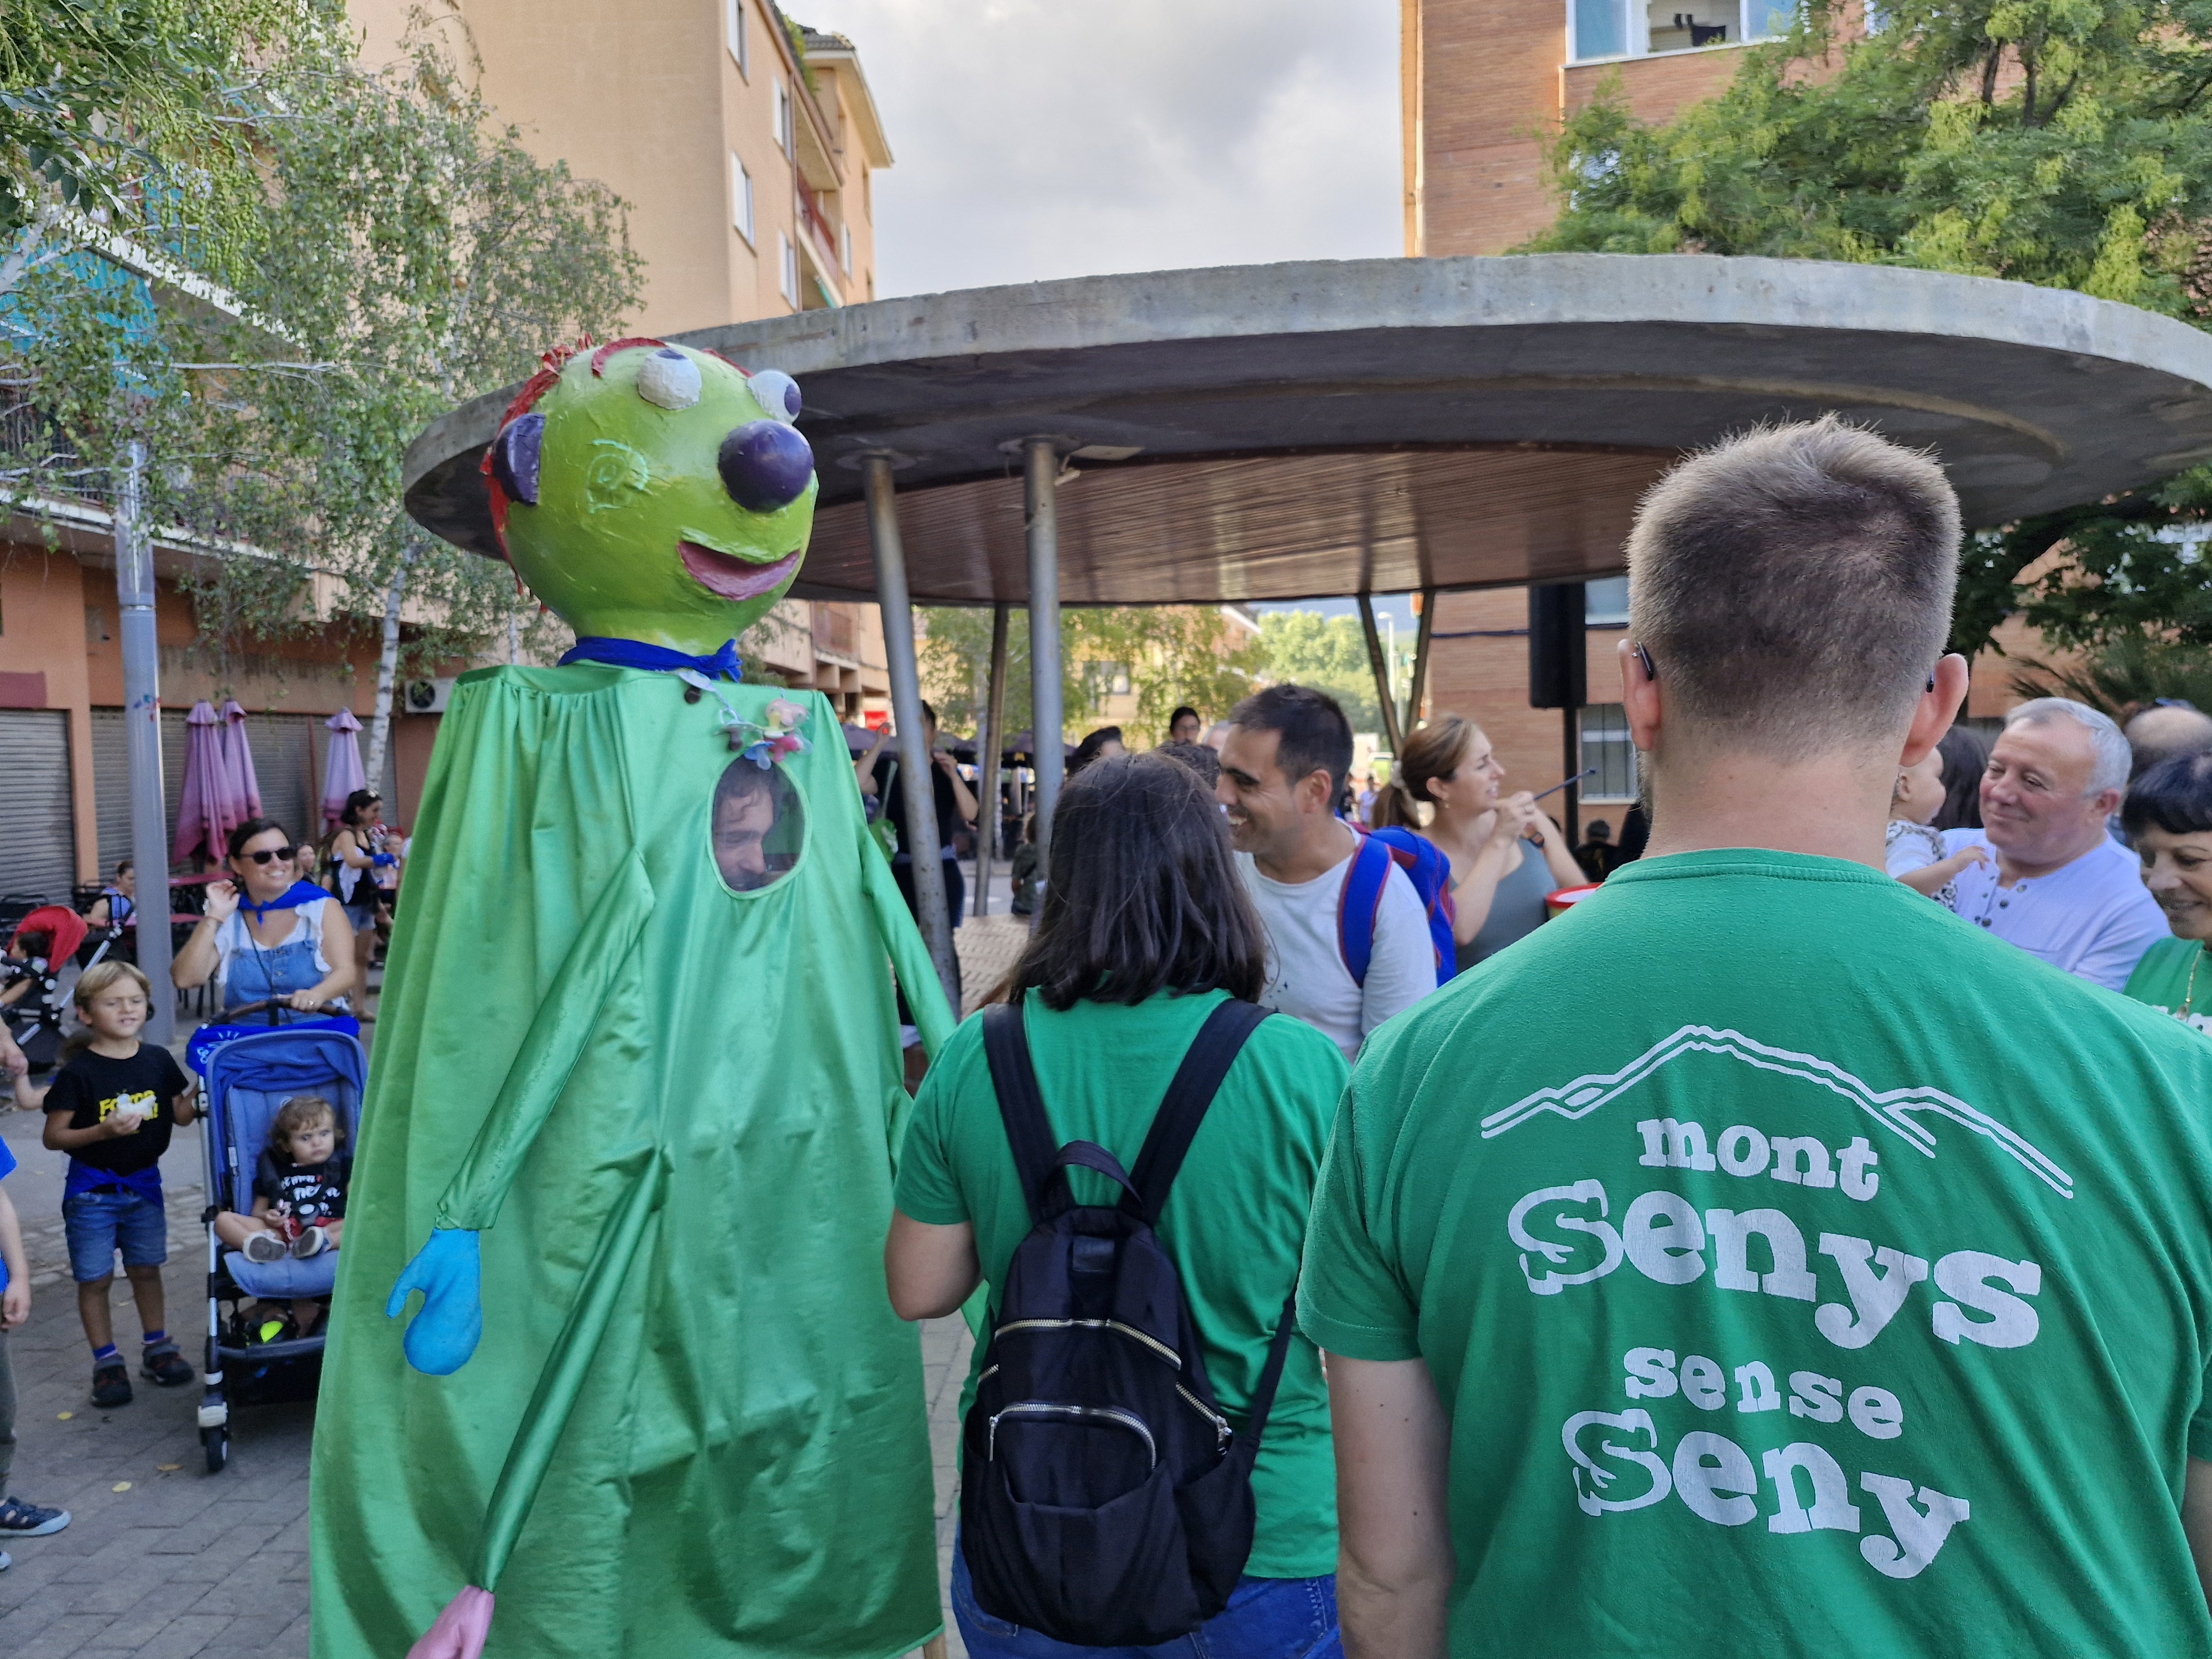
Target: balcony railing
818,222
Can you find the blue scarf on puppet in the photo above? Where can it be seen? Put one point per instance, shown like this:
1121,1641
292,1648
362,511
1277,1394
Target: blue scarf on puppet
636,653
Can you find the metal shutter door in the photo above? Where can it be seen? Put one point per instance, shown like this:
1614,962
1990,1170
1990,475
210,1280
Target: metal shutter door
111,787
284,764
37,850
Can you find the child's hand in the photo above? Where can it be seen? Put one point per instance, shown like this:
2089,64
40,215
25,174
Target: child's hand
1964,858
15,1304
123,1123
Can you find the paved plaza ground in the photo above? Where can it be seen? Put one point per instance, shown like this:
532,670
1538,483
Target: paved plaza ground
165,1561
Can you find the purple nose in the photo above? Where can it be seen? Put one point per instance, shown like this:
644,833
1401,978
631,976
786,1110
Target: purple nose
765,466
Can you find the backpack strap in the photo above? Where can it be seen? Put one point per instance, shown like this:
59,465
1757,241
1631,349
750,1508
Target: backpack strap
1183,1108
1021,1107
1357,902
1271,1374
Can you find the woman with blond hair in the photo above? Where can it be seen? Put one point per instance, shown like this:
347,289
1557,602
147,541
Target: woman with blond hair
1506,856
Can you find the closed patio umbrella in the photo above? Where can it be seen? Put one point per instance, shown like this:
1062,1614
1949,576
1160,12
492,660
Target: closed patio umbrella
240,755
214,802
343,772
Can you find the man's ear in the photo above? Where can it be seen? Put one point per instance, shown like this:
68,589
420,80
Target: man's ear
1639,696
1317,792
1937,708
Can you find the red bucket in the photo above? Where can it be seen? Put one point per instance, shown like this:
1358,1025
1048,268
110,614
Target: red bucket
1559,903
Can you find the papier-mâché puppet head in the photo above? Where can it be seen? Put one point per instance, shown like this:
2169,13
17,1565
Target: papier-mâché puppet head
650,492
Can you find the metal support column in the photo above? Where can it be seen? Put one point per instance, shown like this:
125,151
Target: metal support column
1040,479
141,707
994,743
1390,728
918,834
1420,685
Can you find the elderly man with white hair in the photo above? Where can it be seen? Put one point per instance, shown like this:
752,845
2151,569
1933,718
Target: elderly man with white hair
2054,883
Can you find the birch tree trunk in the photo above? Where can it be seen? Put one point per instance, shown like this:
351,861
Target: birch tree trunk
387,669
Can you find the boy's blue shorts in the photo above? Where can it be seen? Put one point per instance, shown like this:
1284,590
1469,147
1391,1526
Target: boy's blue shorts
97,1222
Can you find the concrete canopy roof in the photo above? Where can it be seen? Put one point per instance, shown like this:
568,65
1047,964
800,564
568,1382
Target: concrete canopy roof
1288,431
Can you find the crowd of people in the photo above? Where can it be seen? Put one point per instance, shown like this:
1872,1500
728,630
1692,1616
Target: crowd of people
1754,1258
1508,1186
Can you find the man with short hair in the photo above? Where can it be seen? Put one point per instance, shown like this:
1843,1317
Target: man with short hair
1753,1260
1282,772
2167,727
2053,881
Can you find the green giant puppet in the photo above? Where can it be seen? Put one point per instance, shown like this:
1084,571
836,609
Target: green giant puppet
633,1104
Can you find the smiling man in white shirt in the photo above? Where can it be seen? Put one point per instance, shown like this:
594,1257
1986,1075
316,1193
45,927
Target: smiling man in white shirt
1283,769
2056,884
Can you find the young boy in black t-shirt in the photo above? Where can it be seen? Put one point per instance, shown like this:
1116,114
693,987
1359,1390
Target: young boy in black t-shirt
111,1108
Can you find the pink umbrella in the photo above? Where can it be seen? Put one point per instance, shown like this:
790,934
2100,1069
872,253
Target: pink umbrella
240,755
214,800
343,772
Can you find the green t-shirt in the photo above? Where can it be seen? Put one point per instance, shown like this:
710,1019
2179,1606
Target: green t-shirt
2170,979
1804,1271
1234,1223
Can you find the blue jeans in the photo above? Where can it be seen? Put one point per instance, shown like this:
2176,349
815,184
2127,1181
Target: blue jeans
95,1223
1266,1618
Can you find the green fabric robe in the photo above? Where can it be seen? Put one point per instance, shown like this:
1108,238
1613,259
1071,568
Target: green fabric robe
672,1109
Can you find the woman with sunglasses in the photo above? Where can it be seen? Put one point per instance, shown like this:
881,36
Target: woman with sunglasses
267,934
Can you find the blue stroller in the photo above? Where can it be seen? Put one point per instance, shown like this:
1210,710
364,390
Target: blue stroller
250,1071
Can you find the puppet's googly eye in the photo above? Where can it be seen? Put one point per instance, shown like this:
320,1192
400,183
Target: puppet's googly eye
668,379
515,457
776,392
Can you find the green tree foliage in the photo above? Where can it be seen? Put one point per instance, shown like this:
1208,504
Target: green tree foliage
406,253
1328,653
2063,142
1172,655
139,113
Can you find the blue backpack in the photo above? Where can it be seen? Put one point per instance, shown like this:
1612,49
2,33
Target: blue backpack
1105,1498
1430,871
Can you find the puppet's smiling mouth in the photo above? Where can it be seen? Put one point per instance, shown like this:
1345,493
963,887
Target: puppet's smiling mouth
731,578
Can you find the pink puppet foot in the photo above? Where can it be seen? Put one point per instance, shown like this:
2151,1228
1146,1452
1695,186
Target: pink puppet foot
459,1630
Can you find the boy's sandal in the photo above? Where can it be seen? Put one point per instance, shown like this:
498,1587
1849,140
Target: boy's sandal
312,1242
264,1247
21,1520
165,1366
110,1385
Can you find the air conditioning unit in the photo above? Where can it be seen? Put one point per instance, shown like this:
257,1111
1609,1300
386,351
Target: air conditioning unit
425,696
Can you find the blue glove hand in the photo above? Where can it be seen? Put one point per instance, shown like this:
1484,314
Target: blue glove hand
449,1273
386,859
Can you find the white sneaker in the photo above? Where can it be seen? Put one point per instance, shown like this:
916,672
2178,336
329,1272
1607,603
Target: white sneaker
312,1241
264,1247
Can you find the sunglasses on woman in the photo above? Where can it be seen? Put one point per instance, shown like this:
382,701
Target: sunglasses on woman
269,852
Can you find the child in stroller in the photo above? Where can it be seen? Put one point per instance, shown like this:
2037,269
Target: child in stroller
298,1207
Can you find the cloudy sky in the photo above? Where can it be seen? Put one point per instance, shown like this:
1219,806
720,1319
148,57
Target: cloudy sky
1043,138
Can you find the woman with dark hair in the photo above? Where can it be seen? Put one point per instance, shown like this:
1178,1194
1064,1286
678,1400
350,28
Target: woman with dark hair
1965,758
268,935
1144,931
1095,746
351,853
2168,818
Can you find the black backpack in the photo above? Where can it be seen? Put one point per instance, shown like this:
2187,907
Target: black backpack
1105,1499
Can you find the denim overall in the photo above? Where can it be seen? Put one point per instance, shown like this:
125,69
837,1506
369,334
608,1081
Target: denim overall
259,971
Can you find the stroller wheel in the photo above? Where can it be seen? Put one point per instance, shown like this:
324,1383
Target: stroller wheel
217,1443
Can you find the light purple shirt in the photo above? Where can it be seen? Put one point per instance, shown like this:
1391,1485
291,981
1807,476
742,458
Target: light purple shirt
2093,918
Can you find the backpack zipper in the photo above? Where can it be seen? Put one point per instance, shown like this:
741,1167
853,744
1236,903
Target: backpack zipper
1112,1414
1224,1434
1154,1343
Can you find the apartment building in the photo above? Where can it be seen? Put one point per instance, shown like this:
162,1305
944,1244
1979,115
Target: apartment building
1481,86
745,145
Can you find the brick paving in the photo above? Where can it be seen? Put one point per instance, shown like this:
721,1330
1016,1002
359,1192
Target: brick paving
165,1561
